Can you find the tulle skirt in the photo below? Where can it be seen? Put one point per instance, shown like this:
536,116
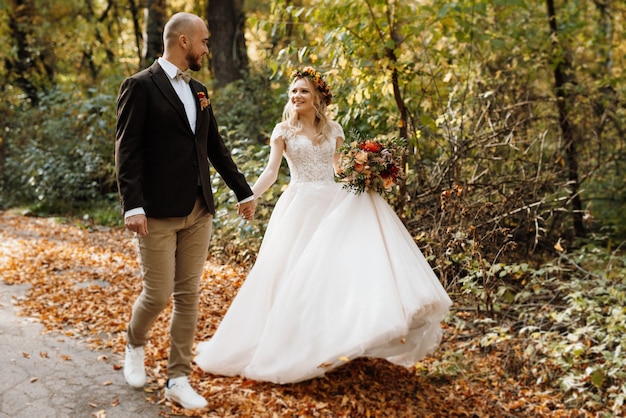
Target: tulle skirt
337,277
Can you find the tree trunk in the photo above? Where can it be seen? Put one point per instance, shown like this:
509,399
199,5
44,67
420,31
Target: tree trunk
403,122
28,69
153,39
134,11
88,60
229,57
563,79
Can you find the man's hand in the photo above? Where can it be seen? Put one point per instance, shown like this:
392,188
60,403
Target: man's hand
247,209
137,223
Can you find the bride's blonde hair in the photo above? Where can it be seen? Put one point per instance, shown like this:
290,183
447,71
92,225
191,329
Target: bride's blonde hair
323,98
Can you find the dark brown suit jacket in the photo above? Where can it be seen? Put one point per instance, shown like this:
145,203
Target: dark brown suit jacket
158,158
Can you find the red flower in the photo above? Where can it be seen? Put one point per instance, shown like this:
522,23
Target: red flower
371,146
204,101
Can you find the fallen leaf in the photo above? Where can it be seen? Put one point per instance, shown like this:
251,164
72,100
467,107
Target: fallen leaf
60,263
558,246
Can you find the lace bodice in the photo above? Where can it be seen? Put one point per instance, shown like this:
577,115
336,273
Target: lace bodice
309,162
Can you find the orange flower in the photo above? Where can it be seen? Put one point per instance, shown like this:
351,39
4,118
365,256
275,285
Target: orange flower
361,157
204,101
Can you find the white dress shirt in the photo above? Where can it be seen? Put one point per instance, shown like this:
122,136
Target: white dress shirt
182,90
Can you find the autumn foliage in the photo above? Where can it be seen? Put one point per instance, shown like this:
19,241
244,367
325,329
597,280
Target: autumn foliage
83,279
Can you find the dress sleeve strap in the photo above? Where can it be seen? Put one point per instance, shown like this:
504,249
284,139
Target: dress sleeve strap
337,132
278,132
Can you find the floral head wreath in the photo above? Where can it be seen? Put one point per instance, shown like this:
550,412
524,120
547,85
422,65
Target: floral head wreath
316,79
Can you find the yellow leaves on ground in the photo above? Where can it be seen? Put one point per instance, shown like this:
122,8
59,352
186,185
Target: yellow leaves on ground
83,282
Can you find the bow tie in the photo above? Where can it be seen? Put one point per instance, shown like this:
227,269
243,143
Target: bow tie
184,75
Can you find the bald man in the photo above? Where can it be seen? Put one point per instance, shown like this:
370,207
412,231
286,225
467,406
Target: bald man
165,138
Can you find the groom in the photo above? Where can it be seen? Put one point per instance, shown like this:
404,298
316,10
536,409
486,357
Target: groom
166,135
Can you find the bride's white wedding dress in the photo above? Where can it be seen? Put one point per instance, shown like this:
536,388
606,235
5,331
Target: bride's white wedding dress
337,277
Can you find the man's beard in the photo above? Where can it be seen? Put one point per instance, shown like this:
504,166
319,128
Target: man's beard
195,62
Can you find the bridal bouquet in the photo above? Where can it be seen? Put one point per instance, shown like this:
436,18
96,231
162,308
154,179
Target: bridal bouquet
371,164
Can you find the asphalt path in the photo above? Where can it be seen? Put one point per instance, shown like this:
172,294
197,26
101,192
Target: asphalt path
48,375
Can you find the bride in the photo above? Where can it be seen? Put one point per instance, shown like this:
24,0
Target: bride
337,276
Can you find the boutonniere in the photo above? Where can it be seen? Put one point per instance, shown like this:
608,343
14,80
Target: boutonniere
204,101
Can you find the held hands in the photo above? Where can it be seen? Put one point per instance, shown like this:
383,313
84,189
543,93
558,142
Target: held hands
137,223
246,210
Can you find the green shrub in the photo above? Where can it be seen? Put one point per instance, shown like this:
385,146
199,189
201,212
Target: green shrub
247,112
59,156
570,315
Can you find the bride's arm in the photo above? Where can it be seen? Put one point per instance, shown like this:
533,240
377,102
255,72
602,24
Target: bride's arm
270,173
336,160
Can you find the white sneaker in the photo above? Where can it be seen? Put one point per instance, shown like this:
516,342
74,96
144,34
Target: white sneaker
178,390
134,369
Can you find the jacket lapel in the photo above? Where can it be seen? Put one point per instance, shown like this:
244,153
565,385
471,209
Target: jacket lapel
162,82
202,115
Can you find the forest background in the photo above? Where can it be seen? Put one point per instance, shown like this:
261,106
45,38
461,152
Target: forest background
513,111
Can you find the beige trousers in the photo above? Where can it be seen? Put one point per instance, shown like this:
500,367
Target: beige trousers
172,255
